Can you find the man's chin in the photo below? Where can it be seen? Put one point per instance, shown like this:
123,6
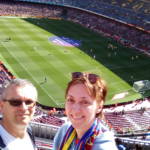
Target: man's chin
23,122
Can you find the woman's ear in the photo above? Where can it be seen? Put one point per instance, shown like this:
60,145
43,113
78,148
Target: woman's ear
100,106
99,110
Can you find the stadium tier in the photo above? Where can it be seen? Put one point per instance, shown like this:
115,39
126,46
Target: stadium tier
134,12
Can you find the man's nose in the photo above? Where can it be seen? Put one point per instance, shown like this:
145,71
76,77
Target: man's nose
24,105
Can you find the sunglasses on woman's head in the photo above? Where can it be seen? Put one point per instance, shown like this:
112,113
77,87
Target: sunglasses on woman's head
17,103
91,77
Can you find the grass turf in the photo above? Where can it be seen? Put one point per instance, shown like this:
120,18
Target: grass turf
29,54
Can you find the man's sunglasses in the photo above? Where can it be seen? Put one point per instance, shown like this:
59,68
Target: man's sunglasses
17,103
91,77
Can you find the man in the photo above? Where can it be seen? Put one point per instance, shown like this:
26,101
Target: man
17,105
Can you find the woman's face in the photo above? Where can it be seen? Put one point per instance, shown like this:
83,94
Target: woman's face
81,109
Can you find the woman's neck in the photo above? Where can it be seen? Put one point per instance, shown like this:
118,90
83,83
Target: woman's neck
81,131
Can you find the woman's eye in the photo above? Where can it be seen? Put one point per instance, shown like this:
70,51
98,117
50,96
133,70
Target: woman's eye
85,102
70,100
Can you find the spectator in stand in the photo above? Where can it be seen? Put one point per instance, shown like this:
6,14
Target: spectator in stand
85,96
17,104
120,144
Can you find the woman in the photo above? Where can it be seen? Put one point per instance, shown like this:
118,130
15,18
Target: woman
85,96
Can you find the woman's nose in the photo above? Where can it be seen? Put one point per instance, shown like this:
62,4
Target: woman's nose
76,107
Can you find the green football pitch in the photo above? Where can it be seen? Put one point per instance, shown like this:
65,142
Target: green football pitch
27,53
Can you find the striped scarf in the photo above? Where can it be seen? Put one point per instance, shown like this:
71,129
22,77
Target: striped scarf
87,140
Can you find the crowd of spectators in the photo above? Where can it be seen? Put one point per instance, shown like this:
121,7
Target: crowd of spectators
8,8
126,34
131,11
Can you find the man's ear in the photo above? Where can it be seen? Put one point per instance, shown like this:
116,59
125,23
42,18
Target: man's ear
1,105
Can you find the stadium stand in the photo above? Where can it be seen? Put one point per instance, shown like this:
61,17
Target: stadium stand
47,119
5,76
126,22
44,135
130,121
134,12
126,34
131,117
123,33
